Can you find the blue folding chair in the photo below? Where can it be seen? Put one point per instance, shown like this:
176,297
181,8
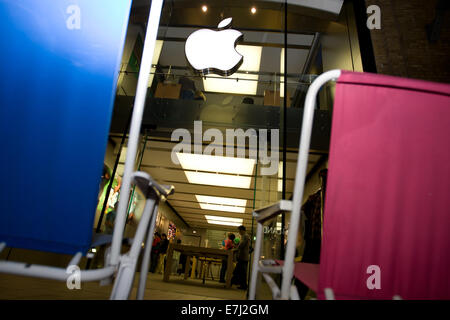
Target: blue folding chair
62,60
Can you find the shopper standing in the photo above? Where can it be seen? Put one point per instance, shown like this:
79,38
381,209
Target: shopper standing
163,245
243,255
155,252
228,245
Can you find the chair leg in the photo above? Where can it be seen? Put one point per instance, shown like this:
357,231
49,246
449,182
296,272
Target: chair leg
294,293
147,255
124,281
329,294
256,255
107,281
127,265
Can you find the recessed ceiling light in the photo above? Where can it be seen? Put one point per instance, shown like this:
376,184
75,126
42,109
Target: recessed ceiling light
222,200
221,203
220,218
253,10
204,8
224,223
219,207
224,220
217,179
220,164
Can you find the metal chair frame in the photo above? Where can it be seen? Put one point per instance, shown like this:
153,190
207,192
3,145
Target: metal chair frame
121,267
266,267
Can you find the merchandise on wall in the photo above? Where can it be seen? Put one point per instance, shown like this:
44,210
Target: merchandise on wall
111,202
172,231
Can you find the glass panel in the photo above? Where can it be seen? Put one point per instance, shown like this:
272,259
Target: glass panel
109,195
232,115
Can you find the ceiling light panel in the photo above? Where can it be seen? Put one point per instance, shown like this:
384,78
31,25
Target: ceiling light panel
219,207
220,218
217,179
191,161
222,200
226,221
223,223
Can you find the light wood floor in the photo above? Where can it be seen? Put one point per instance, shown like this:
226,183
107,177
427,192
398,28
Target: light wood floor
16,287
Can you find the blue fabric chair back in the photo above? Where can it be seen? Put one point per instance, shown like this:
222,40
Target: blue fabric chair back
60,62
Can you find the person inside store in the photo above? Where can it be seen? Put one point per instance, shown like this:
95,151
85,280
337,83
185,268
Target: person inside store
155,252
242,257
163,245
228,245
187,87
181,262
111,208
104,186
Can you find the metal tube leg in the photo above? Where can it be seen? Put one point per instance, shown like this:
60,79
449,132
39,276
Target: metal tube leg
294,293
127,268
146,257
142,228
124,281
256,255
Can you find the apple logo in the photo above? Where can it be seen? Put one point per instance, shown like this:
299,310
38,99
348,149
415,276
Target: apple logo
210,51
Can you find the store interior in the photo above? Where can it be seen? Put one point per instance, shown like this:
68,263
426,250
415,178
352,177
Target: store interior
212,199
264,97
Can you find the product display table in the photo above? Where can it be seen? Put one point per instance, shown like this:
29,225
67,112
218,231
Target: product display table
192,251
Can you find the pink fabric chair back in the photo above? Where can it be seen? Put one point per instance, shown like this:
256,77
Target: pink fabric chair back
388,190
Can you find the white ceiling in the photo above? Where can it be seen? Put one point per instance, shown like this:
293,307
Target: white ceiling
157,157
157,162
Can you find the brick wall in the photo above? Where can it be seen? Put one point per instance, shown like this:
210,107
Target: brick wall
401,46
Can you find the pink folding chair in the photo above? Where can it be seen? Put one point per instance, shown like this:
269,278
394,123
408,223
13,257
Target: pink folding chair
387,208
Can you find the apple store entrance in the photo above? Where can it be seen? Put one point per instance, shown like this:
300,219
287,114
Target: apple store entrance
221,124
223,113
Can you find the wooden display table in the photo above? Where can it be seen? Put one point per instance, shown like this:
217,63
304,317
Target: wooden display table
206,267
191,251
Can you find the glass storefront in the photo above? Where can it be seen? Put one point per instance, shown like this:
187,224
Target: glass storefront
254,112
215,114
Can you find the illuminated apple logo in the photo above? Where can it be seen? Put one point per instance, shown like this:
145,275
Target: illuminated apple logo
210,51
